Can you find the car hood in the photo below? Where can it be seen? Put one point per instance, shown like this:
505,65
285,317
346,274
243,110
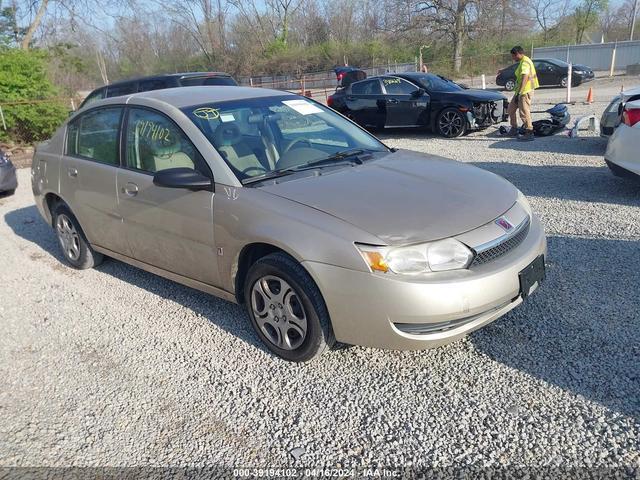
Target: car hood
404,197
476,95
581,67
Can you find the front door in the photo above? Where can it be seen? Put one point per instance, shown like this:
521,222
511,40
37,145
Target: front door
405,107
169,228
88,176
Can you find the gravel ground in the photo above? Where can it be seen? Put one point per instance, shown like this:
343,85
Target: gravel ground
118,367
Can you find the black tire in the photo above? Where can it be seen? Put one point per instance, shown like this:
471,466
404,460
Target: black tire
319,335
510,84
451,123
8,193
563,81
622,172
81,256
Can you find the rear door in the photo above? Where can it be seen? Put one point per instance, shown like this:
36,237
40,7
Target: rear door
547,74
88,175
405,108
366,103
168,228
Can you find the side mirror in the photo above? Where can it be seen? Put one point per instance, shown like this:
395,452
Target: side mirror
182,178
418,93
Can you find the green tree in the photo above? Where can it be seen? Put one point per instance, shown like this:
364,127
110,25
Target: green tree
586,16
23,78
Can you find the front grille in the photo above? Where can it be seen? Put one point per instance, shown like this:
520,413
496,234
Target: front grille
504,247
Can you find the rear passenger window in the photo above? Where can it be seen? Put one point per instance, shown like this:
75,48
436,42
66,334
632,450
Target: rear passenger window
148,85
368,87
155,143
94,135
124,89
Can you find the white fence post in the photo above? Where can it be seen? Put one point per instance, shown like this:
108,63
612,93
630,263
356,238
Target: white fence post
484,82
4,125
569,83
613,59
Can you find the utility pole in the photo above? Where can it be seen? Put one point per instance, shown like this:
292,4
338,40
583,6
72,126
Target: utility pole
421,62
633,19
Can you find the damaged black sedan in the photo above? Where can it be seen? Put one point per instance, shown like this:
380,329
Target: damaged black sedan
419,100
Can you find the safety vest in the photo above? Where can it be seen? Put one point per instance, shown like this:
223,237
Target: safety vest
532,83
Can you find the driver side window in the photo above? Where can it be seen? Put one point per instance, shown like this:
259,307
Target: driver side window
155,143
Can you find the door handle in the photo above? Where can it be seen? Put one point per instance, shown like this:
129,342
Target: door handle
72,172
392,100
130,189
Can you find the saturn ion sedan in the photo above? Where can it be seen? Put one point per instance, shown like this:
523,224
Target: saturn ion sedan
271,200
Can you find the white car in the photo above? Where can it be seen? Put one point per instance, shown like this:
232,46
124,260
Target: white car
612,115
624,144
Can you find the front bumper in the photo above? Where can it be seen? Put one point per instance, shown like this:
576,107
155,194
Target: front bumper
8,177
386,311
623,147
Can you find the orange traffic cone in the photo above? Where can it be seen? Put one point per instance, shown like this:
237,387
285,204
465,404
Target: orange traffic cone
590,96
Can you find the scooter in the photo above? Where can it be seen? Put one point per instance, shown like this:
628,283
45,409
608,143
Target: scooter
560,117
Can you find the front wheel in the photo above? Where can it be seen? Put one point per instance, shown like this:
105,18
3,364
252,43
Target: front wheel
451,123
510,85
286,309
563,81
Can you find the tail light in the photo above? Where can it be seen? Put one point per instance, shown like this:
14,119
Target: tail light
631,116
329,101
340,75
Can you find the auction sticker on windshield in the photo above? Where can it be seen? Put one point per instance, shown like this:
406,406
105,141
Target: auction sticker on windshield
302,106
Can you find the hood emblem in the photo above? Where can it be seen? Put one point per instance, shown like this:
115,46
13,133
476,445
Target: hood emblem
502,222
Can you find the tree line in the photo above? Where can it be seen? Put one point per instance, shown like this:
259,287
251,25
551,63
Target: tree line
86,43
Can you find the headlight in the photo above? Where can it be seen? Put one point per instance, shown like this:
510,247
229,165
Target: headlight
522,200
448,254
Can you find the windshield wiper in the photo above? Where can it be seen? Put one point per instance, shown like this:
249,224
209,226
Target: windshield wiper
333,159
327,161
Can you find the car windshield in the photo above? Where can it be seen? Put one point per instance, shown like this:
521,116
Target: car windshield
436,83
259,137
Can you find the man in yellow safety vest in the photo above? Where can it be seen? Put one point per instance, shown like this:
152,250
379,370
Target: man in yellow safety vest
526,83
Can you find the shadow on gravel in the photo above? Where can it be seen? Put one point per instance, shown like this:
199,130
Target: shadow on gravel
588,184
558,143
581,330
27,223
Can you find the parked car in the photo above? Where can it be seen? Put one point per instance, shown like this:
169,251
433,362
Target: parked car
158,82
274,201
624,144
419,100
612,115
550,71
8,178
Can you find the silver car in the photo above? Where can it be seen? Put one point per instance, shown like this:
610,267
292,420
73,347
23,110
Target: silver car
271,200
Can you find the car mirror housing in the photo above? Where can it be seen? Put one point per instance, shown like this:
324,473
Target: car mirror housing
419,92
186,178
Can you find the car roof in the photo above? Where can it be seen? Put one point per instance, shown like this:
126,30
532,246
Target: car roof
166,75
187,96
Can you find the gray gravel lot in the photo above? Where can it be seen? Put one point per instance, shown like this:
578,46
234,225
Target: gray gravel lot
118,367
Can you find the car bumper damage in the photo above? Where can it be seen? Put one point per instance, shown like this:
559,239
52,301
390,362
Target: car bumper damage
411,314
485,114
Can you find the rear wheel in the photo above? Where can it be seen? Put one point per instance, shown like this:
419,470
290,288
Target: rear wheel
75,247
451,123
510,84
286,309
